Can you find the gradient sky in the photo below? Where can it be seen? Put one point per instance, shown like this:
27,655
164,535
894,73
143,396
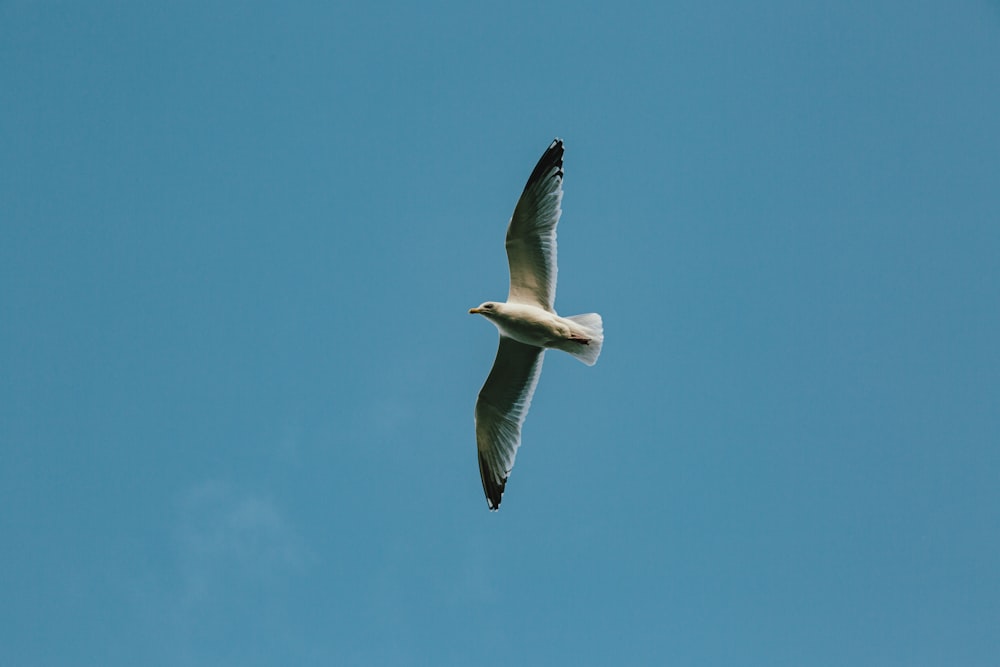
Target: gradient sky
238,243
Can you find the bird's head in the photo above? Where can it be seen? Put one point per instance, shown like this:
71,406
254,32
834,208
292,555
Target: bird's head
487,309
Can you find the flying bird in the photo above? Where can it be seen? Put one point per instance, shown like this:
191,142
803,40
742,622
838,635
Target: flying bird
528,324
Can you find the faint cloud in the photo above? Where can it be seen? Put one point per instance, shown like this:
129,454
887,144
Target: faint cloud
233,562
288,446
390,416
223,533
473,581
397,397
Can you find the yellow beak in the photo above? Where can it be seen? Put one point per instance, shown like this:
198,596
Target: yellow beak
473,311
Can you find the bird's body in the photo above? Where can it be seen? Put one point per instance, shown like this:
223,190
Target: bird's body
536,326
528,324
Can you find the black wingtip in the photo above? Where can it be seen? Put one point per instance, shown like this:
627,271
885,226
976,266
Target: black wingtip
492,489
551,158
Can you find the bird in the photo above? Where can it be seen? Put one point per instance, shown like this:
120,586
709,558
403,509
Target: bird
528,324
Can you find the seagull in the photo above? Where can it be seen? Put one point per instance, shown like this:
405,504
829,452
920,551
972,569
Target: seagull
528,324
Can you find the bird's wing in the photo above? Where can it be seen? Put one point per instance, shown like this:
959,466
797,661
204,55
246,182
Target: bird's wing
502,406
531,234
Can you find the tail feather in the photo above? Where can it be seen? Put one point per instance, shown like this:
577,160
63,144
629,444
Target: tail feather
592,327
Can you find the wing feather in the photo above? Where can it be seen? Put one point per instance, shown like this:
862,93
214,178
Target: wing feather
531,234
500,411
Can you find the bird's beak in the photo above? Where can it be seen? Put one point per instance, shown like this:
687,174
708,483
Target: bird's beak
474,311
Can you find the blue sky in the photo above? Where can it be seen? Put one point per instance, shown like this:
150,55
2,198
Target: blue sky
238,243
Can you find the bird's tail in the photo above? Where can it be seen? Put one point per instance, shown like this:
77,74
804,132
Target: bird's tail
592,328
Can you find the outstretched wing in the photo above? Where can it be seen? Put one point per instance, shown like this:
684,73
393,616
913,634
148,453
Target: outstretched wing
502,406
531,234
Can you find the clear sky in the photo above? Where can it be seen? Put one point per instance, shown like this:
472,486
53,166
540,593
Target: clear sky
238,243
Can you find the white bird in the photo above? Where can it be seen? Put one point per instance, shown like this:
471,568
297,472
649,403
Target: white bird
528,324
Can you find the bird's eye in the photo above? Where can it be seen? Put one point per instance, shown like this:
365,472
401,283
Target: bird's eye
488,306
